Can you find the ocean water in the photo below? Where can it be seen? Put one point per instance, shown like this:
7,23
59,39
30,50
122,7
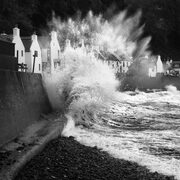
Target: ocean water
140,127
136,126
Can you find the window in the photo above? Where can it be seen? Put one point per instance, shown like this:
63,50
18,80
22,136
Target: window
22,53
39,67
120,69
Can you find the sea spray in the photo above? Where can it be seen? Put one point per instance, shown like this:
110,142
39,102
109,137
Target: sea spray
84,86
70,125
141,127
120,34
83,70
172,89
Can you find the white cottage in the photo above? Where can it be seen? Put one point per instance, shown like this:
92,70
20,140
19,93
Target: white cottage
155,66
44,42
125,63
111,59
54,51
51,52
33,54
19,46
159,65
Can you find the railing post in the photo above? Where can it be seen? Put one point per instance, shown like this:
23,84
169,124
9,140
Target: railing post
35,55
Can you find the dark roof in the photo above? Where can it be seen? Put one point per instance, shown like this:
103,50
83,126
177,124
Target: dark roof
109,56
44,41
27,43
6,38
122,56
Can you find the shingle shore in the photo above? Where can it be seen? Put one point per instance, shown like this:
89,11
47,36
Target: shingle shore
65,158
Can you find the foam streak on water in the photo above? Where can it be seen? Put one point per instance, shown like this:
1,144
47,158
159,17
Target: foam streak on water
141,127
136,126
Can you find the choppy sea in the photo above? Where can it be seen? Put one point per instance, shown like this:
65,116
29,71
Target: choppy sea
135,126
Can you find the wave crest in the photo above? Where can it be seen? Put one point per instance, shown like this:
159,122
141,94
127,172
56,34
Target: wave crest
84,86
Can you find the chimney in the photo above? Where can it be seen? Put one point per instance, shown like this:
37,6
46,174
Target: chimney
53,35
16,32
82,43
68,43
159,58
34,37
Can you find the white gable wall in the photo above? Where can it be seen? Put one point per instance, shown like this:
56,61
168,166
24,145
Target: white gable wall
19,46
38,60
159,65
152,72
54,49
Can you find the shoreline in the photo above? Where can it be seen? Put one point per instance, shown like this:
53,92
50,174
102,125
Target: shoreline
65,158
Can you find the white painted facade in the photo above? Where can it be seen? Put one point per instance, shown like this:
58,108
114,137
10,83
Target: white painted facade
176,66
156,67
125,66
35,49
152,72
29,55
159,65
54,50
19,46
119,64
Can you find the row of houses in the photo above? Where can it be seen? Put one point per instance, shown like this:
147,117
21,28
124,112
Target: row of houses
32,52
151,66
118,62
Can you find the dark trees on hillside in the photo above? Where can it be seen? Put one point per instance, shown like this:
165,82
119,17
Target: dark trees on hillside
160,17
19,12
161,22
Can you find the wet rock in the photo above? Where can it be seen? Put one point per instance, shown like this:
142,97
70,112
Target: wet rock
71,137
65,158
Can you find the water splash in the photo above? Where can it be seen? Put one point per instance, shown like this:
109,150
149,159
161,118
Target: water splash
172,89
85,84
126,125
120,34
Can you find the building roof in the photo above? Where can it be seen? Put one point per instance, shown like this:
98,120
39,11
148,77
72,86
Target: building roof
6,38
27,43
122,56
105,55
44,42
112,56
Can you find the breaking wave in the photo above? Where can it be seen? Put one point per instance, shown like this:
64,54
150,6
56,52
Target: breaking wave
84,86
136,126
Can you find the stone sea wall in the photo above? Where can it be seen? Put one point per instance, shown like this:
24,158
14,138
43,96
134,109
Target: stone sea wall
22,100
145,83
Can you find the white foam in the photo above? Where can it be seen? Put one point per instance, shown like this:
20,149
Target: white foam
126,149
